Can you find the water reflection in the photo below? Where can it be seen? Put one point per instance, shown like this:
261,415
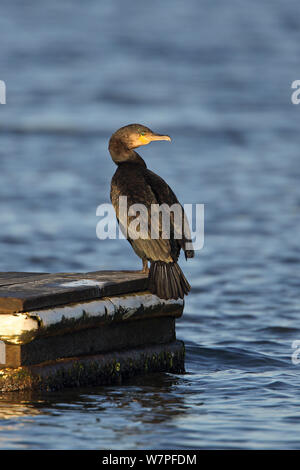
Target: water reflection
17,404
115,414
153,393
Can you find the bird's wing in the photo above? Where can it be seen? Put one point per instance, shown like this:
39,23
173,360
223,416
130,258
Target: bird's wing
164,194
138,190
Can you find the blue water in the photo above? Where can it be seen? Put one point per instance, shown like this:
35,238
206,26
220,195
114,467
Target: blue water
216,76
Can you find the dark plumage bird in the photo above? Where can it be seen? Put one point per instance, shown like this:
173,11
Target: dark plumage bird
141,186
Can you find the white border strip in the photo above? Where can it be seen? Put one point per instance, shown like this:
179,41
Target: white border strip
2,353
16,328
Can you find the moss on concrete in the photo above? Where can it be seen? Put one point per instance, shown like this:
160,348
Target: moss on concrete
101,369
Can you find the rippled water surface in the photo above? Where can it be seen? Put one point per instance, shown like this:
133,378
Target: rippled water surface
217,77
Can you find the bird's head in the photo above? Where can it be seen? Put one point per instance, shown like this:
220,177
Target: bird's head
135,135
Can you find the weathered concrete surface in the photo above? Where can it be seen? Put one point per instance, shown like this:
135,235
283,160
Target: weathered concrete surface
20,292
21,328
110,337
70,329
101,369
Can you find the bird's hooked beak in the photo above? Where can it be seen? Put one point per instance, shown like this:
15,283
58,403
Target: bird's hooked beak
146,139
160,137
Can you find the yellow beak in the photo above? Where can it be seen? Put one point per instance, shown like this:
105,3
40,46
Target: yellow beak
160,137
146,139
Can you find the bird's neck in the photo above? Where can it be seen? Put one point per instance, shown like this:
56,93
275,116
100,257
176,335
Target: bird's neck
120,153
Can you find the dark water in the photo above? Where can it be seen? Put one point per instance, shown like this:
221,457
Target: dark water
217,77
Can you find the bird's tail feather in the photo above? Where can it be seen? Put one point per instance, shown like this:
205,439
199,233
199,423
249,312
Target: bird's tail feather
167,281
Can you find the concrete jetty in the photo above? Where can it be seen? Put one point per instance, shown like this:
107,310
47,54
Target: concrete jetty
77,329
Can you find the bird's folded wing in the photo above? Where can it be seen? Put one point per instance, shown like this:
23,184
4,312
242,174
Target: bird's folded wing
135,222
178,218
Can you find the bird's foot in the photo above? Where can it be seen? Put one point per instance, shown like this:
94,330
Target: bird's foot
144,270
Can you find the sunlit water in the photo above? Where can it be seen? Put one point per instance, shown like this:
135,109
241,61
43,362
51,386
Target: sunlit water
217,77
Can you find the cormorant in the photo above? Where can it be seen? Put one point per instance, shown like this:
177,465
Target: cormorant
141,186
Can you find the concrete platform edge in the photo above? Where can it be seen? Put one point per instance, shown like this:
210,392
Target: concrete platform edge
100,369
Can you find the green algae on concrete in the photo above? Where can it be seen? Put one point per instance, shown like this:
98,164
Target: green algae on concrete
100,369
